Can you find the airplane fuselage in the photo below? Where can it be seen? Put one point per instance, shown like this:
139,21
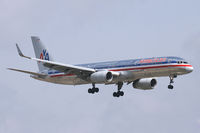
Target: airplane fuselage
129,70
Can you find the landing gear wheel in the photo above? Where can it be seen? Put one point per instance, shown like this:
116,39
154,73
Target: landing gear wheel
90,90
96,90
118,94
170,86
121,93
115,94
93,91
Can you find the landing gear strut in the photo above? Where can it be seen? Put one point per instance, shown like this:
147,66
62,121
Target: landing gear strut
93,89
170,86
119,93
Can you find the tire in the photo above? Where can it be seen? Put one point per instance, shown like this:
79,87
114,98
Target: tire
115,94
96,90
170,86
90,90
121,93
93,92
118,94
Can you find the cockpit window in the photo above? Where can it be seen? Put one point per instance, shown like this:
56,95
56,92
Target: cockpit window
182,62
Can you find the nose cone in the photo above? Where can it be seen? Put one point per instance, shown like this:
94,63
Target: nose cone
189,69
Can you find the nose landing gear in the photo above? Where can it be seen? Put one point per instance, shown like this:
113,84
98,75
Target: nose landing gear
171,77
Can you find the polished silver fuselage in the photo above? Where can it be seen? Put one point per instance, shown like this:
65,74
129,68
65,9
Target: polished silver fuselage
129,70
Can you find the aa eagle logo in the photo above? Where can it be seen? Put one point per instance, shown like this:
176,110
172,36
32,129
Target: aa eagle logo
44,55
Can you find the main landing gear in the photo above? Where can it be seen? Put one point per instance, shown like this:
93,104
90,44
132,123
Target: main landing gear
119,93
170,86
115,94
93,89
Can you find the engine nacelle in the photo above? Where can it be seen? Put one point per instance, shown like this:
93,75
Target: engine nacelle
145,84
101,77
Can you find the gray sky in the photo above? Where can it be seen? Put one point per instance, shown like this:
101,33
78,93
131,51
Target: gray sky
90,31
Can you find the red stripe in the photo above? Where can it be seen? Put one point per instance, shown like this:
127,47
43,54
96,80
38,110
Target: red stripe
128,69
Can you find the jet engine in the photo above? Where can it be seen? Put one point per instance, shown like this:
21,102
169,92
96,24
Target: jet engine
145,84
101,77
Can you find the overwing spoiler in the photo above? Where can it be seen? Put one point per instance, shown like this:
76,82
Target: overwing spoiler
67,68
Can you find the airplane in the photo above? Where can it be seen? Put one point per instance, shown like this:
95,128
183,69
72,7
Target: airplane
141,73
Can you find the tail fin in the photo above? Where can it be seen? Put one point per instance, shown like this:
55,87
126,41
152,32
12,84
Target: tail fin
40,52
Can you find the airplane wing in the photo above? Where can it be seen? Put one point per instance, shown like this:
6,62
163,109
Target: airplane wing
28,72
67,68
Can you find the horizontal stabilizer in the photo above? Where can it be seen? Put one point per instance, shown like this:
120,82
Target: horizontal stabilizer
28,72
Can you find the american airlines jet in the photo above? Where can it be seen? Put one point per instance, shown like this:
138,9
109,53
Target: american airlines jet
140,72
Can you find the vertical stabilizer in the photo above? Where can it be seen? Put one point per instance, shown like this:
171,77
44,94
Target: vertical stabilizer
40,52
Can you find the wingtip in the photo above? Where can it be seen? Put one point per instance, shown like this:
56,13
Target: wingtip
11,69
19,51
